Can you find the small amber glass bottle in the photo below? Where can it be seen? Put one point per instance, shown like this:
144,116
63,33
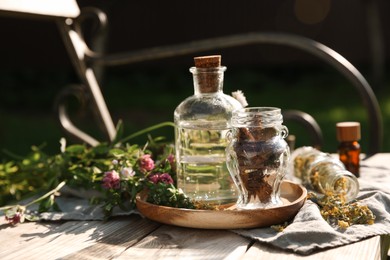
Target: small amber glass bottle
348,135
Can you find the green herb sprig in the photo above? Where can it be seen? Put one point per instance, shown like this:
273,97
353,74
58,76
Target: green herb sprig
115,171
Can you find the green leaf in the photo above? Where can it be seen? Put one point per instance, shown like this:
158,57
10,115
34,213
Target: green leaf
56,207
101,149
75,149
117,152
26,162
10,167
31,217
36,156
108,207
46,204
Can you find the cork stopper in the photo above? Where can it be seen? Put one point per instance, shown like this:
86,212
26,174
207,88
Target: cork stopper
348,131
208,80
212,61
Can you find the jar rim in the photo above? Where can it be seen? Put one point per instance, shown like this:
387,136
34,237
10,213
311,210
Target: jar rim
195,70
257,116
255,110
353,184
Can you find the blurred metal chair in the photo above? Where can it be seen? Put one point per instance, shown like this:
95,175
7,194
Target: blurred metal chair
310,125
84,59
66,13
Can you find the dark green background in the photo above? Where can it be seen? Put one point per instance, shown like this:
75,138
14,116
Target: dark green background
143,96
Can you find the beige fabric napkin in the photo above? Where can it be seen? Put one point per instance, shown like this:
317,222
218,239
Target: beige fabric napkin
309,232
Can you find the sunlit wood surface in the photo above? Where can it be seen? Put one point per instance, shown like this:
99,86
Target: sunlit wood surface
134,237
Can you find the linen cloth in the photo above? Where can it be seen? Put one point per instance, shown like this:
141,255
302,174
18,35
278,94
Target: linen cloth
307,233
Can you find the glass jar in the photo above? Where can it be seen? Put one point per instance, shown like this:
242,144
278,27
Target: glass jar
323,173
257,156
202,121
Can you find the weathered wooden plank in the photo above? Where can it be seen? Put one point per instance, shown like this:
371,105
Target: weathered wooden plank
113,244
169,242
14,237
99,240
365,249
67,239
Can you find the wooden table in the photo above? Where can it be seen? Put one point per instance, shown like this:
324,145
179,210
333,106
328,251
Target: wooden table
134,237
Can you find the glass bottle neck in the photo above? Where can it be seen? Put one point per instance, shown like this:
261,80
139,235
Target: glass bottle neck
208,80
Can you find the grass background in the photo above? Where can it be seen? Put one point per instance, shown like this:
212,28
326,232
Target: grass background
143,96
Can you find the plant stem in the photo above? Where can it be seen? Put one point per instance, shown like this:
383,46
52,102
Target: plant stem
47,194
59,186
146,130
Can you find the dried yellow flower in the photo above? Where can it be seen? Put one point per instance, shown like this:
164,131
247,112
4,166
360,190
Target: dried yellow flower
335,210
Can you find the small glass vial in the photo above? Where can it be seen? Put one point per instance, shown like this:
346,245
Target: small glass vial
202,121
257,156
322,173
348,135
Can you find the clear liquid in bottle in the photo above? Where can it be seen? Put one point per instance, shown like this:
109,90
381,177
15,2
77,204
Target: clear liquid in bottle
202,170
202,121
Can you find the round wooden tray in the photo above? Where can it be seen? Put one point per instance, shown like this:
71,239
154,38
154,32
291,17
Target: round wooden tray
293,196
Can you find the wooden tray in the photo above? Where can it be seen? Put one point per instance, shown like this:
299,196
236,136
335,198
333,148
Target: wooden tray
293,196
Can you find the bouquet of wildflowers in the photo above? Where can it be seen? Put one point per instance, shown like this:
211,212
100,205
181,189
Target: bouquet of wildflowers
116,172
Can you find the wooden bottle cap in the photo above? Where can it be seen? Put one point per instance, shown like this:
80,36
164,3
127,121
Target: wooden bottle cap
208,61
208,82
348,131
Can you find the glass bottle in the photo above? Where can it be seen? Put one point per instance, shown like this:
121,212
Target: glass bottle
257,156
322,173
348,135
202,121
